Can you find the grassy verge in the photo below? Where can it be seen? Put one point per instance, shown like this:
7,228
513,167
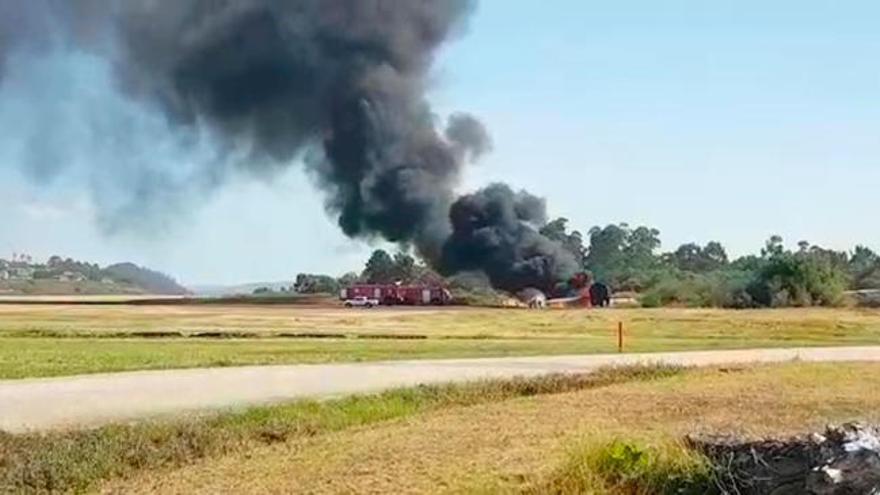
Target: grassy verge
29,357
52,340
630,466
76,460
799,324
46,357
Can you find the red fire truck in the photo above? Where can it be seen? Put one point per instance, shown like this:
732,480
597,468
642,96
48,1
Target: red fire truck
393,294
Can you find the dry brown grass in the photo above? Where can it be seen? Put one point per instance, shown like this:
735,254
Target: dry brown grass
509,446
76,460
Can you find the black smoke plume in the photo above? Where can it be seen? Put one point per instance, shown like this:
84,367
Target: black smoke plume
339,84
496,230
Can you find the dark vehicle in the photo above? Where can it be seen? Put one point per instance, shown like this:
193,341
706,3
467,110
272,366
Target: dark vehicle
600,295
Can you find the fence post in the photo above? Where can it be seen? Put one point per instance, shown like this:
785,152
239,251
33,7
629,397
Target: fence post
619,336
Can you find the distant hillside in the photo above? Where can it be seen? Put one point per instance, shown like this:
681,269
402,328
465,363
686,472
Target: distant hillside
65,276
150,281
52,287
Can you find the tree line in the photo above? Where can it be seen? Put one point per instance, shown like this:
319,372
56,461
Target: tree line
629,259
382,267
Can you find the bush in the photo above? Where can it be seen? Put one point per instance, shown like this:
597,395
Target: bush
810,278
307,283
720,289
798,279
624,466
675,292
651,299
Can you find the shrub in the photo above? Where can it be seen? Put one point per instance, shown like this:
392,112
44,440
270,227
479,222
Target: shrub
720,289
798,279
624,466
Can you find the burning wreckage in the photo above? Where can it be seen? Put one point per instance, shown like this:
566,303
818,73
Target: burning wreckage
579,293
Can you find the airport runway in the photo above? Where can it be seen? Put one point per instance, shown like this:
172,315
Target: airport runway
90,400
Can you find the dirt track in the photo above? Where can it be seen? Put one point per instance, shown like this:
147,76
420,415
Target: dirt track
39,404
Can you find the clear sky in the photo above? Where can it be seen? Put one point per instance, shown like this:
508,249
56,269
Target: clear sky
726,121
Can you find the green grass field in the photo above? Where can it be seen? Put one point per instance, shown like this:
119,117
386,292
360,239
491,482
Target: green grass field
41,357
51,339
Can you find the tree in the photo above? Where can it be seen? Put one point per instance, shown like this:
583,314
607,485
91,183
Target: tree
404,268
349,279
307,283
773,247
424,274
573,242
811,276
380,268
863,259
691,257
864,269
623,257
715,255
686,257
641,244
605,255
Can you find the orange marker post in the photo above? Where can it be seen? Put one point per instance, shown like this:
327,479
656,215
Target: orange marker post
620,336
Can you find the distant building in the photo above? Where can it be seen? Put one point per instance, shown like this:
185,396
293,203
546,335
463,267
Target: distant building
69,276
4,275
20,271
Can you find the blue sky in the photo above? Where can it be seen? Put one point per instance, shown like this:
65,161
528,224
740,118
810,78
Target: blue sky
708,120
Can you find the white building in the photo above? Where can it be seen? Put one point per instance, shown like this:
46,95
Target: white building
69,276
20,271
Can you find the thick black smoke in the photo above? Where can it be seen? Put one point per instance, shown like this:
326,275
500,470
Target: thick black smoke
275,78
496,230
338,83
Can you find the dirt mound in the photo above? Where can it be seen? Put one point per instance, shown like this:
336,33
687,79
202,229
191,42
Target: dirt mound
845,460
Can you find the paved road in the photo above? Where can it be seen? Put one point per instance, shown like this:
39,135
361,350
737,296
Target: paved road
40,404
